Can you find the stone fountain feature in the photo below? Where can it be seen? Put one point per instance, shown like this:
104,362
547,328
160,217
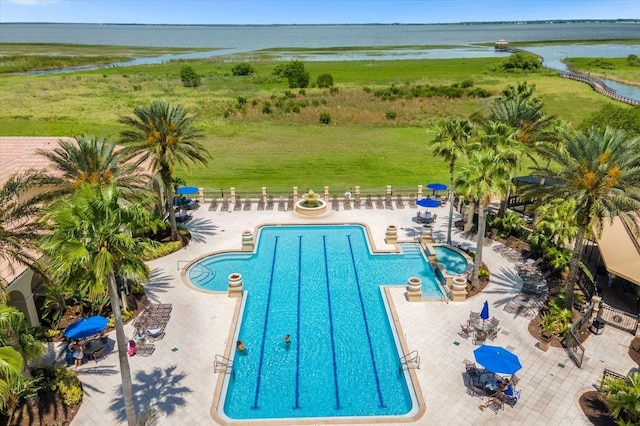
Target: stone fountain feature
311,205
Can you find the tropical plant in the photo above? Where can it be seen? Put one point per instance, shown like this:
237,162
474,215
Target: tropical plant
451,144
622,396
599,171
557,221
16,332
96,161
485,175
91,231
511,223
556,320
166,136
19,228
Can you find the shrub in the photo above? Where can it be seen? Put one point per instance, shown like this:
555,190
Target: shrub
556,320
137,87
479,92
522,61
68,386
324,81
633,60
391,115
266,108
325,118
125,314
243,68
296,74
189,76
333,90
466,84
161,250
302,92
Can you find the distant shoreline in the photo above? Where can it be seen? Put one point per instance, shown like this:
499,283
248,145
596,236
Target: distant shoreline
536,22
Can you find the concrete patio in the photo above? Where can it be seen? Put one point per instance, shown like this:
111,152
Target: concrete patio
178,379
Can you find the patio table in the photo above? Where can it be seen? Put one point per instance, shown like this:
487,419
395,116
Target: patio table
93,346
482,325
490,381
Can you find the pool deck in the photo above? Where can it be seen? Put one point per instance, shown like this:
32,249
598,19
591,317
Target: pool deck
178,379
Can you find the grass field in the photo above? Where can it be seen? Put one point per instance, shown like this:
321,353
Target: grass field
617,69
250,149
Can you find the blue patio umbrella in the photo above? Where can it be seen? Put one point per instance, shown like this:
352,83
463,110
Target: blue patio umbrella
437,186
484,314
187,190
85,327
497,359
428,202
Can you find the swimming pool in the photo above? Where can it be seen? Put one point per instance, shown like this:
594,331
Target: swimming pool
454,262
321,285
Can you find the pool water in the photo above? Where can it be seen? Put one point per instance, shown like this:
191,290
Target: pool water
454,263
320,285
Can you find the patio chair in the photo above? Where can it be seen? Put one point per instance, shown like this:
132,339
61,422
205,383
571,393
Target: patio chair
514,380
379,202
97,355
238,205
269,202
474,315
480,338
512,307
214,204
477,391
335,205
493,333
369,202
145,349
247,204
357,202
466,330
399,202
412,202
346,204
281,204
497,402
494,321
225,205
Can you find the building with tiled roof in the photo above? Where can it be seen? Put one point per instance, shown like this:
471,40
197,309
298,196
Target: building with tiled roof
20,155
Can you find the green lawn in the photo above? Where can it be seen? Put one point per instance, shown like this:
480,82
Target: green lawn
284,149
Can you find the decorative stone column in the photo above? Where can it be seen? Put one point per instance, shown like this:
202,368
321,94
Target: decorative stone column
426,234
391,236
247,241
295,194
232,196
264,195
414,289
459,288
235,285
326,193
419,192
201,195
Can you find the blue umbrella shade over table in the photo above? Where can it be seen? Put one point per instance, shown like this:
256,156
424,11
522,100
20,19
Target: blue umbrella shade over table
86,327
484,314
187,190
437,186
428,202
497,359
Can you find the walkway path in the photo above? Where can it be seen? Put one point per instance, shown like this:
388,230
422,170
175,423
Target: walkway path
178,378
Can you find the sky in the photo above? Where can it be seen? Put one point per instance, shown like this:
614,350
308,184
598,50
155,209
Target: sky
310,11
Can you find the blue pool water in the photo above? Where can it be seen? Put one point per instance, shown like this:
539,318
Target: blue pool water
454,263
321,285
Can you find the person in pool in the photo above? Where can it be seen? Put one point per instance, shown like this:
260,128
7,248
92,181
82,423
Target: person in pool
287,339
241,346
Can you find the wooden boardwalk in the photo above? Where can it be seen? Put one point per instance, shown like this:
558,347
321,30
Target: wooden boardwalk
597,84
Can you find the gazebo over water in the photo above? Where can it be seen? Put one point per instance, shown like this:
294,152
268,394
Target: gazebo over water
502,44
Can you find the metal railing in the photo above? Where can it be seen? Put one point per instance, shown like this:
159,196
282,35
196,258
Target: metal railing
410,361
222,364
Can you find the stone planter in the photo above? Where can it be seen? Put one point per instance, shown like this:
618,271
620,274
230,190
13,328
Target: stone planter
235,285
414,289
459,288
391,236
247,241
545,343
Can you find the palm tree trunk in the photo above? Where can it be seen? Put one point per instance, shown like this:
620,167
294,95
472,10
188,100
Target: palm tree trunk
121,341
503,203
165,174
450,224
482,225
470,213
574,267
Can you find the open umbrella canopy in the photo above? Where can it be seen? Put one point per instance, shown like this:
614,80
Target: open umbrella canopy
187,190
484,314
85,327
428,202
497,359
437,186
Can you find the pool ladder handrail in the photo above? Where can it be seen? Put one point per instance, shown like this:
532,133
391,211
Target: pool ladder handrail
410,360
222,364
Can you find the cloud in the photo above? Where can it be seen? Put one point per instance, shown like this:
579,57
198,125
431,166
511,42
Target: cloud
33,2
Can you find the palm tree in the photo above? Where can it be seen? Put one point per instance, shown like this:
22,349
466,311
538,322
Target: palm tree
92,232
623,398
450,144
95,161
19,228
166,136
600,171
486,174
